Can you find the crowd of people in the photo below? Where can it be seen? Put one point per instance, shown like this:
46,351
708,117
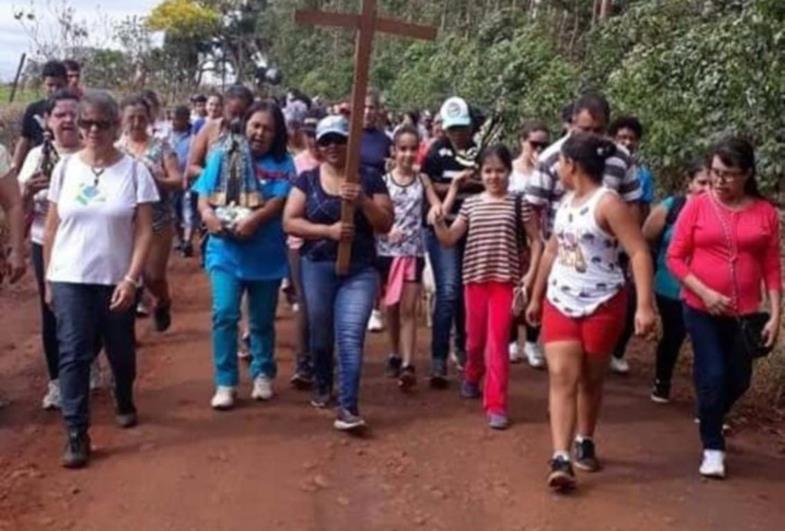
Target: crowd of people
557,248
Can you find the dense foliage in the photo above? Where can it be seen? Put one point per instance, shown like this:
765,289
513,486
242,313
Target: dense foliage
692,70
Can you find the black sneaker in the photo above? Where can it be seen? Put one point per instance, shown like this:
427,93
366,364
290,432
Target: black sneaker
348,421
439,374
162,316
585,455
393,368
407,378
321,400
301,379
127,419
562,477
77,450
187,250
661,392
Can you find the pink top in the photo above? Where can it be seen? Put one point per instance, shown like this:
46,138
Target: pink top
305,162
700,246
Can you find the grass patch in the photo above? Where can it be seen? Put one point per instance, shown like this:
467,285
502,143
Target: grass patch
23,94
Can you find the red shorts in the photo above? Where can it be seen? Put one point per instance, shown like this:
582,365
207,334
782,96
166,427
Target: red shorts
598,332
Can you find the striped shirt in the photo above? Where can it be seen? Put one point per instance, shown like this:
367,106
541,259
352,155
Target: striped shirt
545,190
492,253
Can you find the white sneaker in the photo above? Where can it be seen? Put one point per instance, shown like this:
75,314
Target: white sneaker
619,365
713,465
223,398
534,355
262,388
514,353
96,381
375,323
51,399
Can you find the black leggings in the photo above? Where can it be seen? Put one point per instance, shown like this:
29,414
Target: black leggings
673,334
48,321
532,333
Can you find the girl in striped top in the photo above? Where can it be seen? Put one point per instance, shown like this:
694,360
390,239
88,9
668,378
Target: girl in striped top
495,221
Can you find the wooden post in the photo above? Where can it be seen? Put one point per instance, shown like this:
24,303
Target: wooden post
16,78
365,26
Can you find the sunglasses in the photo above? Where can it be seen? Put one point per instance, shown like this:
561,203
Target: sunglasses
537,146
332,140
101,125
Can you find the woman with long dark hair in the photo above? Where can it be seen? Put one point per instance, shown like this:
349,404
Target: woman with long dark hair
725,248
242,193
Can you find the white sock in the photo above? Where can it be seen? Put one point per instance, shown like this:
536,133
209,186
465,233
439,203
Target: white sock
580,438
561,454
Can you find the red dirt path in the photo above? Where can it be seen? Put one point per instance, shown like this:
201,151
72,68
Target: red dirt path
428,463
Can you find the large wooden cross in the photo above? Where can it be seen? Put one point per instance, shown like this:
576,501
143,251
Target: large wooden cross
365,25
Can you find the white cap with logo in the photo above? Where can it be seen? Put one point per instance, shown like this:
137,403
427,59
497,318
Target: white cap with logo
455,113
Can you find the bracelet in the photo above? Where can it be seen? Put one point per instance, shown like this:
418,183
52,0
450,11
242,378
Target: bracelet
130,280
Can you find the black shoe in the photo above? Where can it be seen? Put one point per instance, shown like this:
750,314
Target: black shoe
187,250
439,374
77,450
301,379
393,368
126,420
322,400
407,378
585,455
661,392
562,477
162,316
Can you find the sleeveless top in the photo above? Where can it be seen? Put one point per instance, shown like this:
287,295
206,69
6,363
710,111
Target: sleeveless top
408,201
586,271
153,159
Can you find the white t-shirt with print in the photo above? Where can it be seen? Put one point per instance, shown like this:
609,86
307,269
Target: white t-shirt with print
95,239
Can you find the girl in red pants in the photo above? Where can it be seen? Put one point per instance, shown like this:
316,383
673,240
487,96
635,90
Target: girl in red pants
495,221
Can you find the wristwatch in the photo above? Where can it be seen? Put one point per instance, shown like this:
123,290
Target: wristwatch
135,283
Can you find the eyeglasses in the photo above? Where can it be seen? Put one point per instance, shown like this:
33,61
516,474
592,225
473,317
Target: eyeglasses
537,146
726,175
332,140
101,125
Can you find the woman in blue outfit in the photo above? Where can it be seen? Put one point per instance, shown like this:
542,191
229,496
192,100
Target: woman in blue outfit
242,193
338,306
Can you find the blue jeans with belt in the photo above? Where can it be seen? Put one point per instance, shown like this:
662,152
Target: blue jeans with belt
83,316
262,297
448,311
721,375
338,312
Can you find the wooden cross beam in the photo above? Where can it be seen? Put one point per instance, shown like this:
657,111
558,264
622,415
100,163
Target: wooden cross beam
365,25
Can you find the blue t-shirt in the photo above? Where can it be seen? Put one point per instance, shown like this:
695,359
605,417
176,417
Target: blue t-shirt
198,124
181,143
646,178
665,284
325,209
375,150
263,256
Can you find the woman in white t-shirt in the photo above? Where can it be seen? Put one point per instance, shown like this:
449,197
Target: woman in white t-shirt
34,179
97,237
534,138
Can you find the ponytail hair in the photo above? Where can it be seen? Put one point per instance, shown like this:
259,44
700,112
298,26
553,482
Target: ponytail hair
590,152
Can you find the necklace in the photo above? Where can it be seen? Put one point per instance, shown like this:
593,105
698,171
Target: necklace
97,172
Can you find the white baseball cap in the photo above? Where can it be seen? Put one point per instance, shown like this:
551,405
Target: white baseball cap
332,125
455,113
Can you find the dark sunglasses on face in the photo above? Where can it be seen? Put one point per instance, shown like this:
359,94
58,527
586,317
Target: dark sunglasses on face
537,146
332,140
101,125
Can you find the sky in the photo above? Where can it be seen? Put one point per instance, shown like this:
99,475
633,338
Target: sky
14,41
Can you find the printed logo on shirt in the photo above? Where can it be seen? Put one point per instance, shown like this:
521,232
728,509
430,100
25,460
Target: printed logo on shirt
89,194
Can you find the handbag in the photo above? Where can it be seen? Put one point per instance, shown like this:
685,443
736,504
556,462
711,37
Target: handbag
749,340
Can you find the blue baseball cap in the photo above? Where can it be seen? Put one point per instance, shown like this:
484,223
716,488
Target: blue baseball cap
332,125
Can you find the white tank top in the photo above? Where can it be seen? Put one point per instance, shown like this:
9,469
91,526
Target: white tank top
586,271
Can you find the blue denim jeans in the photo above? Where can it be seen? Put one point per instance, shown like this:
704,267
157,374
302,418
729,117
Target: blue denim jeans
83,317
338,311
449,311
721,375
262,298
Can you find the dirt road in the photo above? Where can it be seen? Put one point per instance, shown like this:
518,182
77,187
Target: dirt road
428,463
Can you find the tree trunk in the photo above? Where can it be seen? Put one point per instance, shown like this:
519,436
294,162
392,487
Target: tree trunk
605,9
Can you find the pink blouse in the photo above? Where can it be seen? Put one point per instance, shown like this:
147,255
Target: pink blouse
700,246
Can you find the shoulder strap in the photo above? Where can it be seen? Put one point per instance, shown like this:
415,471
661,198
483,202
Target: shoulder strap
520,238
